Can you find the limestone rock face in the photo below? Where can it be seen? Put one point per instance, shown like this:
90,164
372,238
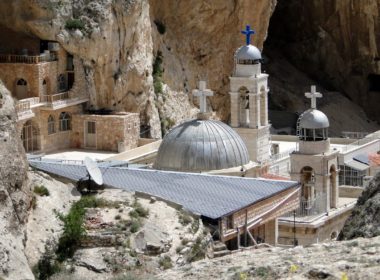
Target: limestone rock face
120,38
335,42
15,195
365,217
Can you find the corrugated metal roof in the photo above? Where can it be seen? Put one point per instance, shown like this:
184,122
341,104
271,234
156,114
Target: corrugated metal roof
208,195
357,165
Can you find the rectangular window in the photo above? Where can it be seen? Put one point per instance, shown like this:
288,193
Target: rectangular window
91,128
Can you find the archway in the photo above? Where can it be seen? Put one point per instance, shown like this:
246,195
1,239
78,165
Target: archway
307,181
62,83
30,137
45,87
21,89
244,106
333,187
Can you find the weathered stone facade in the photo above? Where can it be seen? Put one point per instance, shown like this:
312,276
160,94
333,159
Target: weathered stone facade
113,132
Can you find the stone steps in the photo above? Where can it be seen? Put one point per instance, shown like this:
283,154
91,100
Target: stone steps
221,253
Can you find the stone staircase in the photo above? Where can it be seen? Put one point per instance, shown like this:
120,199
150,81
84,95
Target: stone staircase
220,249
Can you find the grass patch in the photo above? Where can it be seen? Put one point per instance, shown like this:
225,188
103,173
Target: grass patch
73,229
184,218
33,202
140,210
198,251
41,190
73,24
165,262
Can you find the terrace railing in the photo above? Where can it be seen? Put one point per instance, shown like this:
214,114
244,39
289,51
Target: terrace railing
311,207
28,59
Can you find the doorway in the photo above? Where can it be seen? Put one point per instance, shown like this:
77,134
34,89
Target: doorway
90,135
29,137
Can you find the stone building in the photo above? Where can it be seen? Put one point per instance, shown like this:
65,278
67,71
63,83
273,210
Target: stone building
49,85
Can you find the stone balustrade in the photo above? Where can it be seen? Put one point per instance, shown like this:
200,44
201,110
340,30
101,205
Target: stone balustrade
28,59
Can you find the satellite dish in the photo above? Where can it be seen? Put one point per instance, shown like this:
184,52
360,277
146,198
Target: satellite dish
93,171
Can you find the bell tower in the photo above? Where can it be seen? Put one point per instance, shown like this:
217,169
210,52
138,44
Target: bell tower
249,100
314,164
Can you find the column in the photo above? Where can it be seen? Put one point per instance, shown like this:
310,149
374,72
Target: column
271,232
234,100
254,110
264,108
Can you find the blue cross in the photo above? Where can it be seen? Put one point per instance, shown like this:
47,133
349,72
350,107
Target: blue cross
248,32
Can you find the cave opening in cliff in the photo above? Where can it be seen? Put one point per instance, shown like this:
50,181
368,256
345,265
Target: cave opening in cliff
373,82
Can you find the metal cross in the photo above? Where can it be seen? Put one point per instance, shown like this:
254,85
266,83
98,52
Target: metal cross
313,95
248,32
202,94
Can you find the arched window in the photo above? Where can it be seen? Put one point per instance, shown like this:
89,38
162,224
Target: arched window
21,89
51,125
61,83
22,82
64,121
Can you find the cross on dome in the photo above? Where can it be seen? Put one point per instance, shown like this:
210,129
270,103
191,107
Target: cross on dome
248,32
313,95
202,94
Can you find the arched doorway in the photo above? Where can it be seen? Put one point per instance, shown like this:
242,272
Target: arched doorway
21,89
307,181
30,137
62,83
45,89
244,106
333,187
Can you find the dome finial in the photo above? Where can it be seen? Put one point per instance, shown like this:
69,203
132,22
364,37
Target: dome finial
313,95
248,32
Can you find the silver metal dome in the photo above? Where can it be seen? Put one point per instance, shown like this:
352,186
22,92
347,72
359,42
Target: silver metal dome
248,52
201,145
314,119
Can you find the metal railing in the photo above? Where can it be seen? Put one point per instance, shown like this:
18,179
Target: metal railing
358,143
354,134
23,106
54,98
311,207
28,59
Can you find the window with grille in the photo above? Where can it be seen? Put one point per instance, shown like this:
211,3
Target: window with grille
64,121
51,125
91,128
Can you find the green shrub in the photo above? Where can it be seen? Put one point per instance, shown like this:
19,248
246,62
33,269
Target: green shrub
46,266
157,73
73,24
135,226
73,229
33,202
161,28
117,217
41,190
198,251
165,262
140,210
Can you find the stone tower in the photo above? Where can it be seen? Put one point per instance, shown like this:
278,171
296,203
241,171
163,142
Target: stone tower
249,100
314,164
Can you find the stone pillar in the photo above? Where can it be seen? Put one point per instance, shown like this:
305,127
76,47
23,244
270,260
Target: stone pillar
254,110
264,108
271,232
234,100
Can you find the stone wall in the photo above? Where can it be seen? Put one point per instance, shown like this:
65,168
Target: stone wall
110,131
348,191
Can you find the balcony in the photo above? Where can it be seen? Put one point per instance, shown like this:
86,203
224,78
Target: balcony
27,59
61,100
24,107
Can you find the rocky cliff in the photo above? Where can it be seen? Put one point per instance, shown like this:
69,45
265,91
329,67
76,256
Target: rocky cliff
15,195
335,43
365,217
118,40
